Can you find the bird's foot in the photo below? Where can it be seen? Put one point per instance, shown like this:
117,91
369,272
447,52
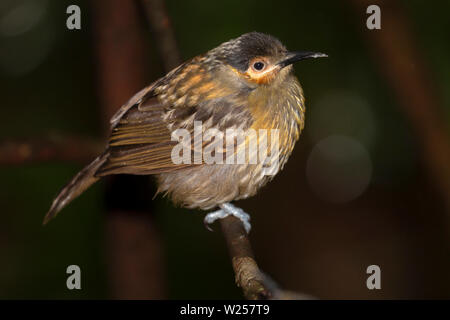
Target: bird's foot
227,209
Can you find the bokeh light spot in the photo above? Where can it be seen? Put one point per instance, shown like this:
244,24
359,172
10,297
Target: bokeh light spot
339,169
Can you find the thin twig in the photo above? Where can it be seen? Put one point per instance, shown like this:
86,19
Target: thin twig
162,28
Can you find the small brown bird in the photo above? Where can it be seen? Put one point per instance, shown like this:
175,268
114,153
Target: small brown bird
244,84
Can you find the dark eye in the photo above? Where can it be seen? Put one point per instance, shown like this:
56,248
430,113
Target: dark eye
258,65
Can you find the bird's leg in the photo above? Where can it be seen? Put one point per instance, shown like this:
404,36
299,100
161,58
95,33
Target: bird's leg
227,209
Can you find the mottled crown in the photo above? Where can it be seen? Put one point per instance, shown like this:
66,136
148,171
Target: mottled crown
238,52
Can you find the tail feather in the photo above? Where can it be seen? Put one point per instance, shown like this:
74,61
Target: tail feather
83,180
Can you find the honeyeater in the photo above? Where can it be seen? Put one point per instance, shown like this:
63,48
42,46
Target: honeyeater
247,85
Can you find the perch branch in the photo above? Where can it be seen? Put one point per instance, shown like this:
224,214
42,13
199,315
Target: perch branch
254,283
248,275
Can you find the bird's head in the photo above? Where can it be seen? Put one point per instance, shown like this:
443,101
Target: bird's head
257,59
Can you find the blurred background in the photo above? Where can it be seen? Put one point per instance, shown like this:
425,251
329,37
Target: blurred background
368,182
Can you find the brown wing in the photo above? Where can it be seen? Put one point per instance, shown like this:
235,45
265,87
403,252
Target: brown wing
140,141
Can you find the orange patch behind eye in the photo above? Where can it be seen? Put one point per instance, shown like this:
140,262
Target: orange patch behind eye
258,78
263,78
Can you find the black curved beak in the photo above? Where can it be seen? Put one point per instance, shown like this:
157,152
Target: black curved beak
299,55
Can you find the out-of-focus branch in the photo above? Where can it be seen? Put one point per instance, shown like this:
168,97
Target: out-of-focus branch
135,258
395,51
160,22
49,148
254,283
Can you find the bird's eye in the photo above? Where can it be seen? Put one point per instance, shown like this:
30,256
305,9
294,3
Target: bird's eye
259,65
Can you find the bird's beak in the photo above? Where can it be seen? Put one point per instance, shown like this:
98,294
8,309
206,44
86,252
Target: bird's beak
292,57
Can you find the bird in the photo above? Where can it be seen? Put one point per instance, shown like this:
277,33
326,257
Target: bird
246,84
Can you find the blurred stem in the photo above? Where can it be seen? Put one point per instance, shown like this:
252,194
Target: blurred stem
49,148
162,28
400,61
135,259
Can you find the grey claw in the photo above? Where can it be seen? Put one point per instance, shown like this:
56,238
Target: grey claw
207,225
211,217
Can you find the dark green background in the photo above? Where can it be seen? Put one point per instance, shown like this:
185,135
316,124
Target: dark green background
305,244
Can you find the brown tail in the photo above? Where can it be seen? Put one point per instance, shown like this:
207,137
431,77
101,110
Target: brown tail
83,180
